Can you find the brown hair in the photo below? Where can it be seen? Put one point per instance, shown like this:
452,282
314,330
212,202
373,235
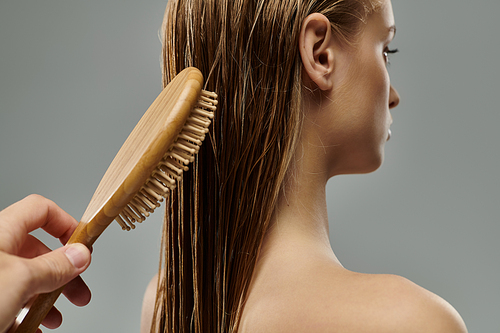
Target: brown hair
248,53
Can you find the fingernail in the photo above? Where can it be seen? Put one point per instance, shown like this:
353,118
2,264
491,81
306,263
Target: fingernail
78,254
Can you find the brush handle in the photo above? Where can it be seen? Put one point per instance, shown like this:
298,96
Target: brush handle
40,305
38,310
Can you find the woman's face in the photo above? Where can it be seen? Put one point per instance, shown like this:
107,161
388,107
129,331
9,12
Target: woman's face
361,104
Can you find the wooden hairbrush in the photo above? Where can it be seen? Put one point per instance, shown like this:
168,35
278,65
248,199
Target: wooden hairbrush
146,168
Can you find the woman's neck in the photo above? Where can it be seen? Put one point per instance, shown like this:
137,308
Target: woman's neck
300,220
296,246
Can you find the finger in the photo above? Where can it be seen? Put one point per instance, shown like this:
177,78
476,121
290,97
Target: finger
32,248
31,213
52,270
53,319
77,292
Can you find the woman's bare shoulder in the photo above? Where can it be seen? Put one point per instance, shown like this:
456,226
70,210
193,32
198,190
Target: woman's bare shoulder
353,302
402,305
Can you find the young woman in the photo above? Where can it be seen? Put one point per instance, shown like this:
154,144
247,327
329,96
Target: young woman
304,95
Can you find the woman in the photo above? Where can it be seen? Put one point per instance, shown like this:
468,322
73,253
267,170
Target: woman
304,95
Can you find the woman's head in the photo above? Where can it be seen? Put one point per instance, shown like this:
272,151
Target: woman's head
347,106
248,52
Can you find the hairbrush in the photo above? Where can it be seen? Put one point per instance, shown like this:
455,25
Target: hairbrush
145,169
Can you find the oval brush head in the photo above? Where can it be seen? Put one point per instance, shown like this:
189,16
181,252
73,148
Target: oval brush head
169,169
152,158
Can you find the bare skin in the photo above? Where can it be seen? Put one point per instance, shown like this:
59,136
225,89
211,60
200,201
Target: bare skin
299,285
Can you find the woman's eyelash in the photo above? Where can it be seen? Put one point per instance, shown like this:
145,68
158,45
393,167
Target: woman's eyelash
388,51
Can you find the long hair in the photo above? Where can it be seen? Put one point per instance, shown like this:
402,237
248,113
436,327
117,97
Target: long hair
215,222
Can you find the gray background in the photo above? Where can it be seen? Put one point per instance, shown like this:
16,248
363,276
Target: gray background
75,77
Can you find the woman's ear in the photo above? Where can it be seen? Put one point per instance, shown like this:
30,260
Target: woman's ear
316,47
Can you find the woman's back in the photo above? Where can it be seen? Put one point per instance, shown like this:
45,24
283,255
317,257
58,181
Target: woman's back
308,293
303,288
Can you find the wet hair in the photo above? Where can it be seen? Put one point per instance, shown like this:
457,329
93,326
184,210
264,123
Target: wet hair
215,222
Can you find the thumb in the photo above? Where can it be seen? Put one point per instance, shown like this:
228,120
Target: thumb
56,268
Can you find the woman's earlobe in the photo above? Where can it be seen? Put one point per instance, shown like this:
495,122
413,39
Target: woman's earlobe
317,50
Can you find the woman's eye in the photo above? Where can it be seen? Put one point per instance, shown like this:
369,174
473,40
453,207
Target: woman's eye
388,52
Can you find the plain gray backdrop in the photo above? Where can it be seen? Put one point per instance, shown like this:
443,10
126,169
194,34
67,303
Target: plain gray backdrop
76,76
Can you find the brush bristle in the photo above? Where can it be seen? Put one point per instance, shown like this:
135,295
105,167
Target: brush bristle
169,170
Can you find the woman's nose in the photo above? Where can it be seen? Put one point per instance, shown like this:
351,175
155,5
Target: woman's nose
393,98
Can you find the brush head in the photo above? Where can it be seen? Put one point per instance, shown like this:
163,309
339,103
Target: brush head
153,157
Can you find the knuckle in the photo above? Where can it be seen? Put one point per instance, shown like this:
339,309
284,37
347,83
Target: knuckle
35,198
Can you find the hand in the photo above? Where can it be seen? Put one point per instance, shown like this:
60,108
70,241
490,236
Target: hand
28,267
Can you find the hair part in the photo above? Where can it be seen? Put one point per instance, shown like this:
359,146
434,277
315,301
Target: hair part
215,222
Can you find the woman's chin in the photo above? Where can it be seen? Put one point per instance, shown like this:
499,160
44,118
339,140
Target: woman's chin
362,163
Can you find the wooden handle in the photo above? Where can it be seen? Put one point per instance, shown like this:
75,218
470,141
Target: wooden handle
37,311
